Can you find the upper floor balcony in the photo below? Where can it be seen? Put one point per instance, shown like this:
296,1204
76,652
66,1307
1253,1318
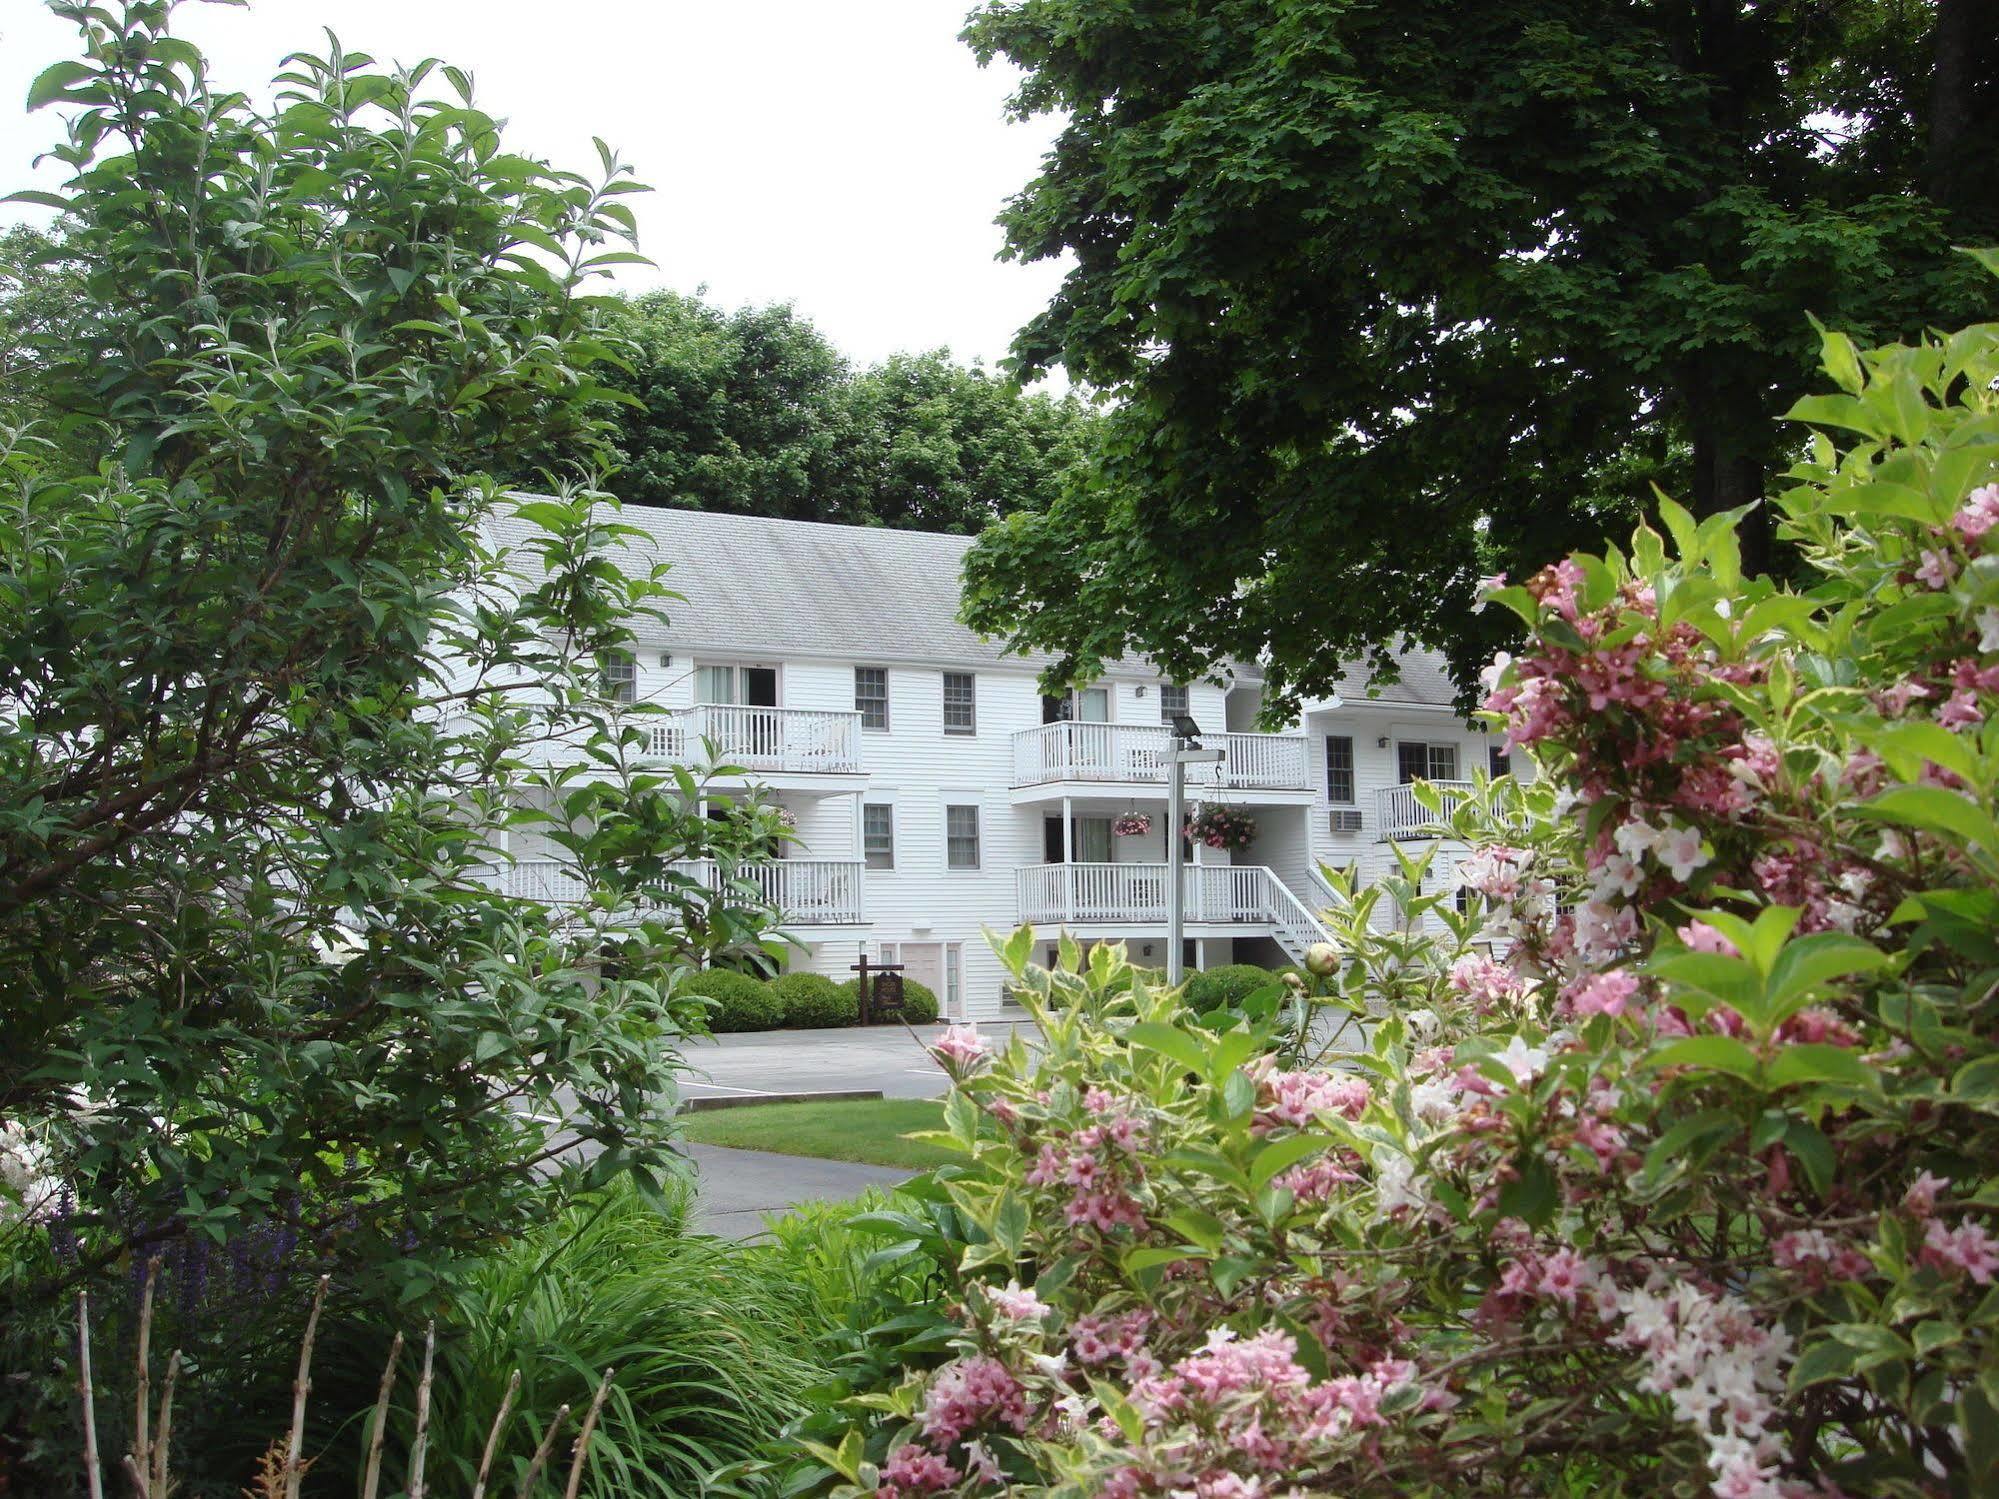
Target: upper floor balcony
1398,814
1119,755
804,892
764,741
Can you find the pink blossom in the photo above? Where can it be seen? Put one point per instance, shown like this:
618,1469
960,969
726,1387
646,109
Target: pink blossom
971,1392
1700,937
1960,710
1018,1304
1298,1098
1563,1276
960,1049
1968,1247
1978,514
1937,569
1921,1198
1603,994
911,1470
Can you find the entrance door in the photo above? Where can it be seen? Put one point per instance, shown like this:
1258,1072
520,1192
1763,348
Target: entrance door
763,733
924,963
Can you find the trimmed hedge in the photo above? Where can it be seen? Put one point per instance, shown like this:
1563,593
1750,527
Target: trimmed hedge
811,1001
743,1003
1226,986
919,1003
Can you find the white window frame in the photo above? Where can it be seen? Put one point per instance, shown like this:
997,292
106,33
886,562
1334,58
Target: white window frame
621,677
971,703
1429,748
868,854
978,838
1170,705
862,709
1352,798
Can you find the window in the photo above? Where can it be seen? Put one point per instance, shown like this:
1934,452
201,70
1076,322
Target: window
961,837
1497,762
1172,700
871,696
1425,762
1339,769
621,677
714,684
878,835
954,979
961,702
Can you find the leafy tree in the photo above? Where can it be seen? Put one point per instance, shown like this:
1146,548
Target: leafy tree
926,444
732,411
272,696
41,290
754,412
1394,297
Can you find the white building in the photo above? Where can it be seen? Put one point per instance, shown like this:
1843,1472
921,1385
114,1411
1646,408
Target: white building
937,793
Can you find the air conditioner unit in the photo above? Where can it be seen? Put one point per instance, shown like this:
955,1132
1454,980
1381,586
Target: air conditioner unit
1346,820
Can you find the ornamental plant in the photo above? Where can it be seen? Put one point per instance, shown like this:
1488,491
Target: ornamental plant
1669,1166
1221,827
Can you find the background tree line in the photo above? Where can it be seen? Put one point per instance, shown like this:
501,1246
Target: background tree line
751,411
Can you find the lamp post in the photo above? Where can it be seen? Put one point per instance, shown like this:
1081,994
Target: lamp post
1186,751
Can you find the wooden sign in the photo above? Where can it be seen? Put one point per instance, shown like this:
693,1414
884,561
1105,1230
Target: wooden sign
881,999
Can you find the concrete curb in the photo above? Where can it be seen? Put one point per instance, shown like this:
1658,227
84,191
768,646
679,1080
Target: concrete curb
743,1101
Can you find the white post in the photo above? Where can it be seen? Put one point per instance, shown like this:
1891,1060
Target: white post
1068,860
1176,795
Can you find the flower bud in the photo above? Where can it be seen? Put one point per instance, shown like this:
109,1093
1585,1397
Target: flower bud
1322,960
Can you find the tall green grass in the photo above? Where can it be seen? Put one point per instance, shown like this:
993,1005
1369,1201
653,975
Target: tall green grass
713,1344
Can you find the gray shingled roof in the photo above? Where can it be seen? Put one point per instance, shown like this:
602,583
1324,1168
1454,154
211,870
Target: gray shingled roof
802,588
759,586
1425,678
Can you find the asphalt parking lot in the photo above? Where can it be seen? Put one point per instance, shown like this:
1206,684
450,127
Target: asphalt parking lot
888,1058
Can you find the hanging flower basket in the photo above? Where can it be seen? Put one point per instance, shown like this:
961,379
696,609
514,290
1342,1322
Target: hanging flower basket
1132,825
1221,827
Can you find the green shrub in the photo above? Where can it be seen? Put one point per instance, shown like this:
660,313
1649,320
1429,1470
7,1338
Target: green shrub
811,1001
919,1001
1227,986
710,1340
743,1003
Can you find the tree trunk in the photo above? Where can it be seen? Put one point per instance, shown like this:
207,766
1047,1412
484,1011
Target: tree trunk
1963,40
1729,469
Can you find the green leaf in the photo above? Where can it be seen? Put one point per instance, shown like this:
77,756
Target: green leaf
1284,1153
1169,1041
1935,810
1809,962
1706,1054
1816,1062
1532,1195
51,83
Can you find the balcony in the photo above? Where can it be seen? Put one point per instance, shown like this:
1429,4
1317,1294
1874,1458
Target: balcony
1129,896
782,741
1398,815
805,892
1117,754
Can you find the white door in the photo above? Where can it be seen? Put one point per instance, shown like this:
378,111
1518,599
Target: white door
923,962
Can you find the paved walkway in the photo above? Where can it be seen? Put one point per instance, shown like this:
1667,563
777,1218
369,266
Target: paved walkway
738,1187
885,1057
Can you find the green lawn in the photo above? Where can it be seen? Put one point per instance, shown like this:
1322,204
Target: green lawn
868,1130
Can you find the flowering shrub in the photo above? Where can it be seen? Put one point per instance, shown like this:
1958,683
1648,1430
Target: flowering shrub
1668,1168
1222,827
1133,825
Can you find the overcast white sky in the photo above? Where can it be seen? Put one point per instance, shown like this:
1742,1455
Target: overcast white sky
845,155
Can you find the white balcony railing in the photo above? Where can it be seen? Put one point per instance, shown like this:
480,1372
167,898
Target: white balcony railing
1399,815
805,892
803,741
1135,895
1137,755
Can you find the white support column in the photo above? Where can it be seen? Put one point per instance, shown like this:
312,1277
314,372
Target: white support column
1068,859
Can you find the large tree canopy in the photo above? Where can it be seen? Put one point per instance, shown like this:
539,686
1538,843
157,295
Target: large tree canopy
1394,296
